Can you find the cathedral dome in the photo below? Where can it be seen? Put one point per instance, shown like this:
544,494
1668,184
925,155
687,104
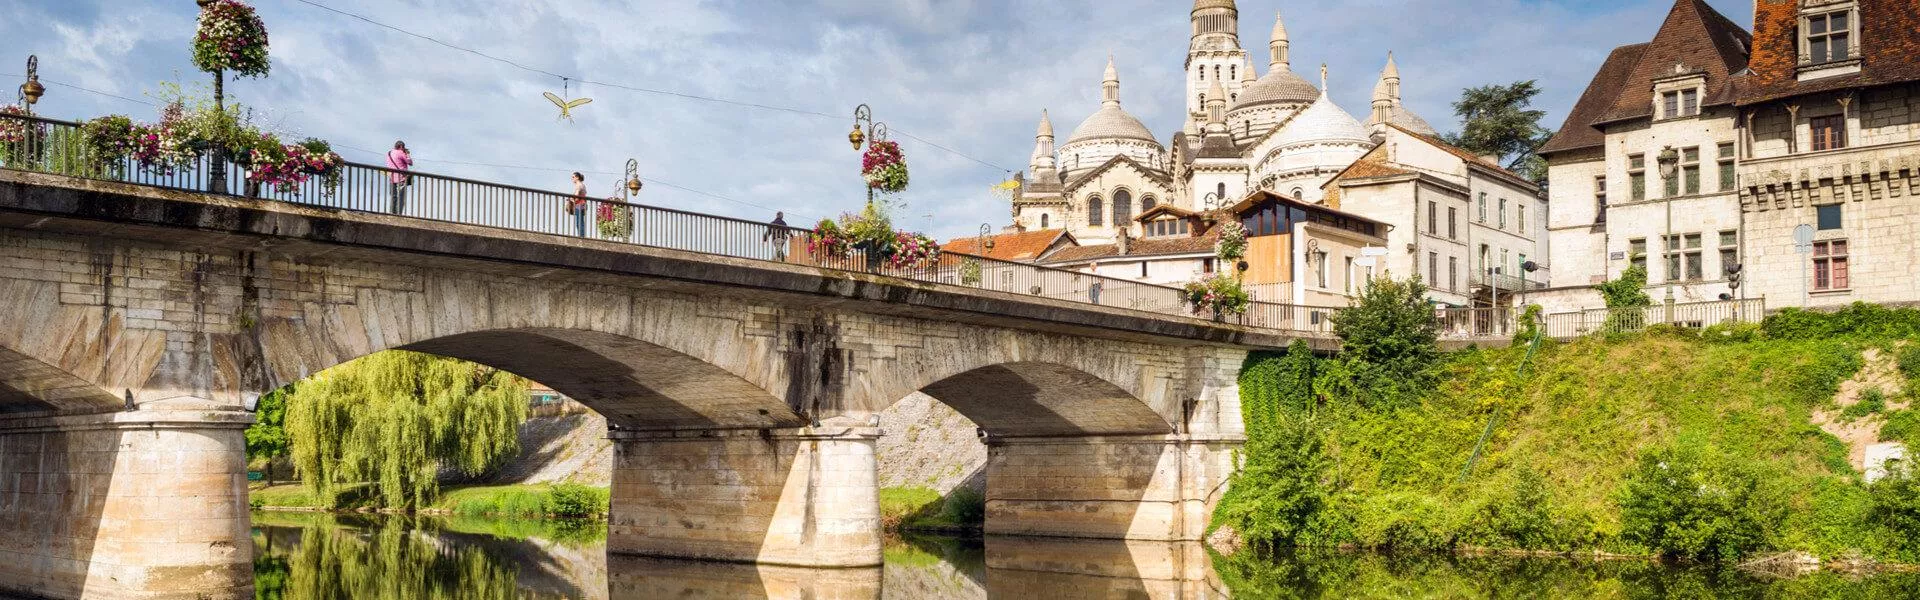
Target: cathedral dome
1321,122
1279,86
1111,122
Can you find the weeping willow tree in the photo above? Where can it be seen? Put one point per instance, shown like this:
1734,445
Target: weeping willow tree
395,419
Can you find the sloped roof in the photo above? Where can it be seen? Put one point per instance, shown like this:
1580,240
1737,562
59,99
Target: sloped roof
1166,209
1153,174
1361,169
1578,132
1890,32
1696,36
1465,155
1142,248
1019,246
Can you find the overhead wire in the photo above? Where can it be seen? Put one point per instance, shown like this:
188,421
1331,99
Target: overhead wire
641,89
450,162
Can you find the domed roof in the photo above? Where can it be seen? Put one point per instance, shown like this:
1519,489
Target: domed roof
1279,86
1111,122
1411,122
1323,122
1200,5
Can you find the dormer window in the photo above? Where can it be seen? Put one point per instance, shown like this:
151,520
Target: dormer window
1680,103
1829,37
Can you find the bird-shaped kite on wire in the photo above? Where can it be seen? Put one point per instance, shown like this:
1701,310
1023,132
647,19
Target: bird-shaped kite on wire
566,106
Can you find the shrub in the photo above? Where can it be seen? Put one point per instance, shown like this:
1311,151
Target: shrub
575,500
1404,521
1861,320
1896,504
1276,498
964,506
1909,359
1687,503
1872,402
1389,344
1732,333
1522,516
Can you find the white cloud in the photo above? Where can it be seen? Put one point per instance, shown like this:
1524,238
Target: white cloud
969,75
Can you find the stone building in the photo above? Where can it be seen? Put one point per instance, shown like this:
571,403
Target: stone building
1830,111
1642,173
1243,131
1459,221
1700,152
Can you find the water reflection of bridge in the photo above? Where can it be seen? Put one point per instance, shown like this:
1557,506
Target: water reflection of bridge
943,569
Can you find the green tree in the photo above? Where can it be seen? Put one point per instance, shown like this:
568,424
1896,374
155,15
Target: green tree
395,418
1389,343
1497,119
267,437
1626,299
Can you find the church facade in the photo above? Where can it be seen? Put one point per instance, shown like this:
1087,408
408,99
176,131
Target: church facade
1244,132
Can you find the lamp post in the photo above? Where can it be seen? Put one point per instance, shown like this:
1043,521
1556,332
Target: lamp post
863,115
31,91
1669,168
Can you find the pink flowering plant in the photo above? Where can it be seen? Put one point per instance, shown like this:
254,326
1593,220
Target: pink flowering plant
17,130
827,240
1220,294
884,168
615,219
108,141
231,38
913,251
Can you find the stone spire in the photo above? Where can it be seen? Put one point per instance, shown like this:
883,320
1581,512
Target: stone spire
1216,109
1280,48
1247,76
1389,108
1390,77
1110,89
1043,161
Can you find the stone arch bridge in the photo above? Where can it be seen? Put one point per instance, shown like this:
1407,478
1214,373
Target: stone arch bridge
141,324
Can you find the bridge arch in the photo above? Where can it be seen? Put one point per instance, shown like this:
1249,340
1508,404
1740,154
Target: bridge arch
1045,399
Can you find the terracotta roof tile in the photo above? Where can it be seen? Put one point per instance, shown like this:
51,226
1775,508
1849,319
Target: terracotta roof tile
1021,246
1578,132
1367,168
1138,248
1890,41
1694,35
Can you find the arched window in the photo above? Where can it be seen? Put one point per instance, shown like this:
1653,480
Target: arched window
1147,203
1223,194
1043,220
1094,211
1203,72
1298,193
1233,98
1122,208
1233,72
1216,71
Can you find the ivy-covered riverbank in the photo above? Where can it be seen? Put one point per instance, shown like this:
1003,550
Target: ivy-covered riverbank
1700,446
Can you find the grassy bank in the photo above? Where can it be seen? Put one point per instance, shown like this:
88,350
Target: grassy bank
921,509
1708,447
542,500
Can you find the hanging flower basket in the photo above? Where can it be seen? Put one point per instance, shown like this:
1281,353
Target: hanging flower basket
827,240
21,141
231,39
616,219
323,162
884,168
913,251
108,140
1220,294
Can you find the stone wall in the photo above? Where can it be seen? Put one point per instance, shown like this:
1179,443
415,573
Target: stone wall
1141,488
928,444
149,504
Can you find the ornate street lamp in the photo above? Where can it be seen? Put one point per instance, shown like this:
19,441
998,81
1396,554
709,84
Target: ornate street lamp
986,239
633,178
863,115
1669,168
31,91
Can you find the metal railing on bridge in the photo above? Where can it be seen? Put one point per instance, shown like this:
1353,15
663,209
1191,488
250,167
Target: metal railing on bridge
58,147
1693,315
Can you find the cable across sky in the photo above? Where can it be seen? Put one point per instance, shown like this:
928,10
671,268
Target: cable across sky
634,88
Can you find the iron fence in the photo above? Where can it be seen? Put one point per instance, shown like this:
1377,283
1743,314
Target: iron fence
1694,315
1474,322
59,147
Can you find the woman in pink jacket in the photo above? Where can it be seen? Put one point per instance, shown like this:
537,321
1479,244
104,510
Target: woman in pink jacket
400,161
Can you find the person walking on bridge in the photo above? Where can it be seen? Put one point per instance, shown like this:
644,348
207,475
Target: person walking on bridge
777,234
400,162
577,206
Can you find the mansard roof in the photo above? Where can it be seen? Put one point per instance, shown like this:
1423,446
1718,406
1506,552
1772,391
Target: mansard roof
1890,41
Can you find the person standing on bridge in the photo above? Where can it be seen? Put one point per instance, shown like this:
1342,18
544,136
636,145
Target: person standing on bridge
778,233
578,205
400,161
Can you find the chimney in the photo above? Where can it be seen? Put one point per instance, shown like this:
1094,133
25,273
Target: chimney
1122,241
1491,158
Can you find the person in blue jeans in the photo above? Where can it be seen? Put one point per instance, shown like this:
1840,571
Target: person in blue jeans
578,206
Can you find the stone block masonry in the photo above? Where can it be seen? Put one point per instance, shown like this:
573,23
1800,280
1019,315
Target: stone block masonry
798,497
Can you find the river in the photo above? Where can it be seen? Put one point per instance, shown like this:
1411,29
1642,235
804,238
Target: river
319,556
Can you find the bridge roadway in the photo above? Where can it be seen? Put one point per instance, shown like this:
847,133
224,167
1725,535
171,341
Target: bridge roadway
142,323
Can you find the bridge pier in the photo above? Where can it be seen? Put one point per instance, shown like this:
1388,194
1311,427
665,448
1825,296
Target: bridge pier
805,497
1149,487
140,504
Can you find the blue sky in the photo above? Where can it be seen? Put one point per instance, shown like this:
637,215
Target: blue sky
965,74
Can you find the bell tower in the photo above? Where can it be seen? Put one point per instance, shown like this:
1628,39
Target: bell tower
1213,56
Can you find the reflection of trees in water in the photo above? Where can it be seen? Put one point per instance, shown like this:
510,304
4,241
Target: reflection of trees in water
390,557
1314,574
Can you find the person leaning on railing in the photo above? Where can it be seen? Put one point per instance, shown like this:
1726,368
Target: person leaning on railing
400,161
577,205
